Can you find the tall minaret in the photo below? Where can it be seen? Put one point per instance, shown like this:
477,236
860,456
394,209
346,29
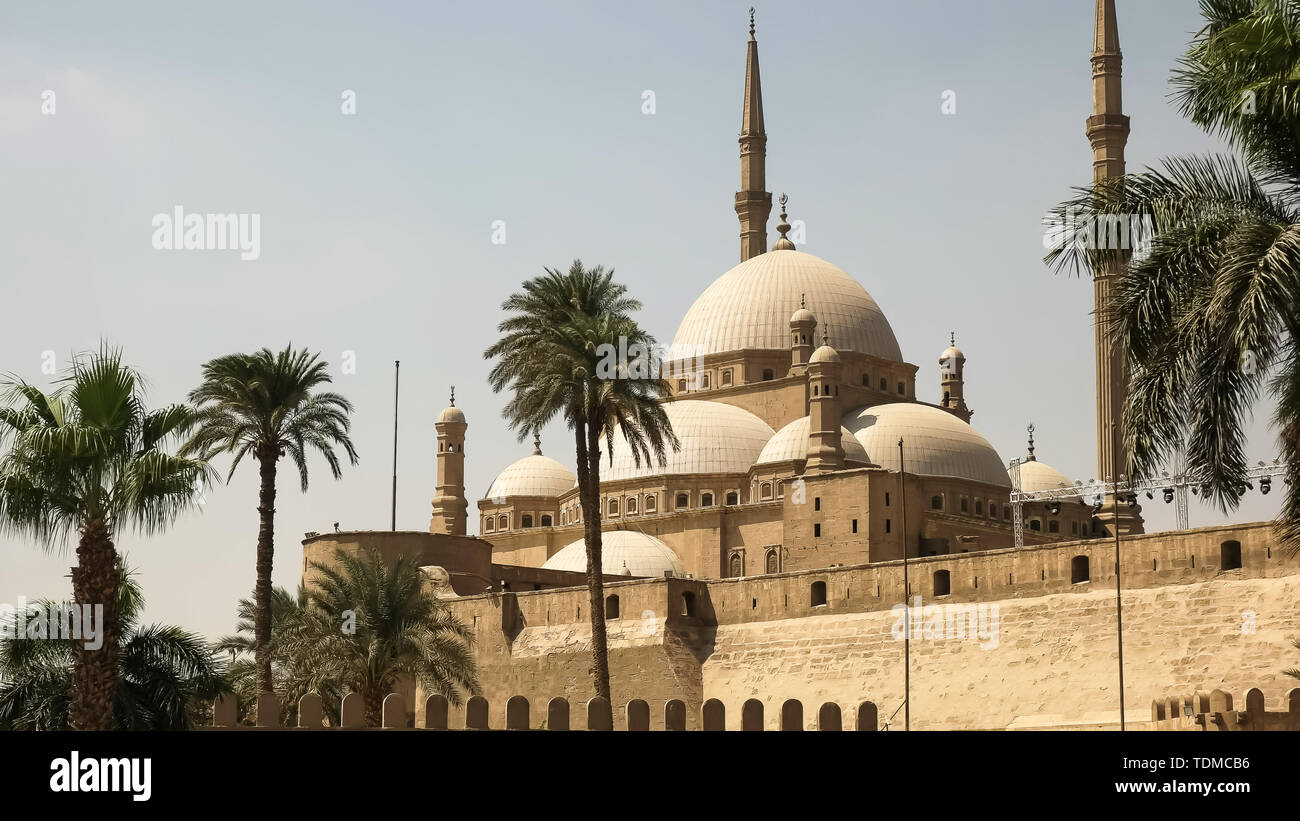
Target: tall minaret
753,201
1108,130
449,505
952,380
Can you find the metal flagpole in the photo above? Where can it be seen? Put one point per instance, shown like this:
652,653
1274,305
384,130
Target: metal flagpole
397,379
907,592
1119,607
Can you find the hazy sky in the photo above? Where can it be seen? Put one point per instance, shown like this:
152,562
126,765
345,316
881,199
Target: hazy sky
376,229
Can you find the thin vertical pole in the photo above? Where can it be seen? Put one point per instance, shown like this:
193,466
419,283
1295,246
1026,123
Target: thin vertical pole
1119,607
397,380
907,592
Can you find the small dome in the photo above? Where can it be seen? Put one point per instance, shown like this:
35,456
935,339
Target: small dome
625,552
1035,475
791,443
534,475
951,354
715,438
802,315
451,414
935,442
825,354
747,308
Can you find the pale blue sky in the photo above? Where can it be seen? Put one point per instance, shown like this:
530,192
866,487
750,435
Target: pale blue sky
376,228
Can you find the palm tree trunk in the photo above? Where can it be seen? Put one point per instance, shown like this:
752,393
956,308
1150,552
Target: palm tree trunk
589,463
95,673
265,561
374,697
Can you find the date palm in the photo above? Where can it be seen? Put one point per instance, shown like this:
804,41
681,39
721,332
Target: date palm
555,339
165,671
269,405
368,626
89,459
1208,313
295,673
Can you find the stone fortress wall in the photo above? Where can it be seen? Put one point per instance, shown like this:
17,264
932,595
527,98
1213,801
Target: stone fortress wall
829,635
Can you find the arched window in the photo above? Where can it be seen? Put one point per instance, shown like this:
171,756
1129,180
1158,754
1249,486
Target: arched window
1230,555
1074,528
733,497
688,604
611,607
765,491
993,510
489,524
564,517
681,386
650,504
936,503
737,566
1053,526
706,500
528,520
884,383
773,562
503,522
726,377
767,375
704,381
683,501
818,594
546,520
979,507
1035,524
631,505
1079,570
965,505
942,583
816,390
902,389
1006,513
613,507
866,380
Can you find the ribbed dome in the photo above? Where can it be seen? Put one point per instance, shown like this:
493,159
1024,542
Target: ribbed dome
825,354
935,443
750,307
791,442
715,438
1035,475
644,556
534,475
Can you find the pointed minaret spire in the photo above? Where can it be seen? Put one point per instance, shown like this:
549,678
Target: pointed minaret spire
1108,130
753,201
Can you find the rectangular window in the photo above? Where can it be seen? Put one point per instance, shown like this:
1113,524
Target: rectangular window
817,503
886,498
855,525
886,525
817,531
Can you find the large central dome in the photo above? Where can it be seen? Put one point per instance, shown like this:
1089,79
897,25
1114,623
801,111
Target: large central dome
750,307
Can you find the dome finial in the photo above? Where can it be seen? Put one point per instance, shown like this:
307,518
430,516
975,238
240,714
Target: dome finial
1031,443
783,243
751,22
952,338
453,396
537,443
826,334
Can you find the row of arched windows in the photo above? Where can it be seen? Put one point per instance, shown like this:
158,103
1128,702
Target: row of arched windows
493,523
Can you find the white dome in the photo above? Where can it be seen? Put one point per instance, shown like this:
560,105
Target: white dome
935,442
715,438
643,555
534,475
1035,475
791,442
451,414
750,307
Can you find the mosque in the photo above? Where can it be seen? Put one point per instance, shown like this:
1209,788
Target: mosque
790,414
765,561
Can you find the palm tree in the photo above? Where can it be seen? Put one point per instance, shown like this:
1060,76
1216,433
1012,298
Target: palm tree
1208,314
550,358
88,459
294,673
264,404
368,626
165,673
